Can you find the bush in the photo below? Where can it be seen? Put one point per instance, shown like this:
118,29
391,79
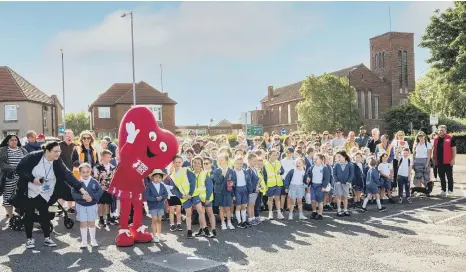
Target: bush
453,125
400,117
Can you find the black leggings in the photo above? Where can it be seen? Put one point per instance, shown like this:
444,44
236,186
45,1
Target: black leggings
42,206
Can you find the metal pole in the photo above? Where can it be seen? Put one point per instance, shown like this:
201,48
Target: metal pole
63,83
132,48
350,106
161,77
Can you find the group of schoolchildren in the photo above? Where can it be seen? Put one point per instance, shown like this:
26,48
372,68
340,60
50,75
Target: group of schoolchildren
239,182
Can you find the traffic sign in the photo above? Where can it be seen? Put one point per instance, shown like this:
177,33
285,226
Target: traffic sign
254,130
433,119
283,131
61,130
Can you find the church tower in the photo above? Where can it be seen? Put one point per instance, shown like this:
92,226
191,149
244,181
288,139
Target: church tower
392,59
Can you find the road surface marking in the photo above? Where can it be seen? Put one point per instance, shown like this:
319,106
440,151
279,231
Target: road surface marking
414,210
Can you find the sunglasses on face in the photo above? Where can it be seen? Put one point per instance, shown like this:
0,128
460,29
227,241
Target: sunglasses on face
86,138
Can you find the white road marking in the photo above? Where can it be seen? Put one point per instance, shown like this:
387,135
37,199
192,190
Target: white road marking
415,210
451,218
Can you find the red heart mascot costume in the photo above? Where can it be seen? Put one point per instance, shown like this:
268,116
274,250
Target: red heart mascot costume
143,147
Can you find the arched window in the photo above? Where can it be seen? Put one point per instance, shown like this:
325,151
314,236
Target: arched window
405,68
376,61
400,69
369,104
383,59
380,60
363,105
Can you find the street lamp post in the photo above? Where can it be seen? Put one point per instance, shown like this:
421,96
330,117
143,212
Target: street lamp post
63,86
132,51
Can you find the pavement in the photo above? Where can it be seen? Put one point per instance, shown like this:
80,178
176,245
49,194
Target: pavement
427,235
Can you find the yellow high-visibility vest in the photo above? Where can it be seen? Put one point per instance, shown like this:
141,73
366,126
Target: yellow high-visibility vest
201,189
262,181
273,174
182,183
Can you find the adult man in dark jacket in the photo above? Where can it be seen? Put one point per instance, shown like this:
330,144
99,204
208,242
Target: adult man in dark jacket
363,138
32,144
67,147
112,147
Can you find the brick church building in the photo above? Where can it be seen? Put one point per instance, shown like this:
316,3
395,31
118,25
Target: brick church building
386,83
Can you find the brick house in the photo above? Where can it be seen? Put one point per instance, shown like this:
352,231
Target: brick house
24,107
110,107
222,127
387,83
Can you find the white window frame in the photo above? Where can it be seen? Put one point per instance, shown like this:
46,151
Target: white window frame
8,114
157,111
376,107
104,114
369,104
289,113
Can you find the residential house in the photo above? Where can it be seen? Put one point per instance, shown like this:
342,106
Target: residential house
24,107
223,127
387,83
110,107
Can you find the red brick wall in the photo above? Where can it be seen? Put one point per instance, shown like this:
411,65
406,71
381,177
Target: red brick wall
105,125
168,117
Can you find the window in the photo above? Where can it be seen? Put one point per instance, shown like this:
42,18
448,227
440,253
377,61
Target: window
44,114
357,99
279,114
369,104
400,70
104,112
380,60
383,59
156,110
289,113
405,69
376,107
363,105
376,61
11,113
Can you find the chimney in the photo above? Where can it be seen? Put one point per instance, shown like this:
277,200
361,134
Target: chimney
270,92
166,94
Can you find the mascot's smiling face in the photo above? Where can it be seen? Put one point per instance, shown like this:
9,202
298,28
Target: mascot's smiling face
153,146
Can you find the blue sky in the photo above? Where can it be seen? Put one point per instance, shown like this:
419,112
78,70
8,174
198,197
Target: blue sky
218,58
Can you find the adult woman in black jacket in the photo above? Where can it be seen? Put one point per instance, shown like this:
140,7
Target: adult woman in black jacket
43,179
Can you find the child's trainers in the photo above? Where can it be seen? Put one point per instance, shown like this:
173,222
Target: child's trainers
214,234
409,200
290,216
224,226
83,245
319,217
255,222
247,224
363,209
400,200
199,233
207,233
313,215
179,227
30,243
280,216
382,209
155,239
172,228
230,226
270,216
49,242
102,223
302,217
190,234
111,221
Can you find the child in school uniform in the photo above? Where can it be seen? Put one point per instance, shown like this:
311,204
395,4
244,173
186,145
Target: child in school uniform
242,189
155,195
223,190
329,194
261,188
309,160
86,209
254,193
343,174
386,175
200,192
189,157
372,186
404,176
288,163
319,177
213,156
208,200
274,171
174,203
103,173
294,186
358,180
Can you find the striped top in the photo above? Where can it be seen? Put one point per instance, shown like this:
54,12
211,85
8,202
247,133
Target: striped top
14,156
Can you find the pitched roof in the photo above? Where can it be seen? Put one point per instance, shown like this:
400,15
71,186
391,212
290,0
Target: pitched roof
122,93
14,87
291,92
145,94
223,123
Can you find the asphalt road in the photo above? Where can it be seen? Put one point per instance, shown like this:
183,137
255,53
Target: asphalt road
427,235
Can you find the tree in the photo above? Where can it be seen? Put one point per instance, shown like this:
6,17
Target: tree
326,104
400,118
434,94
445,37
77,121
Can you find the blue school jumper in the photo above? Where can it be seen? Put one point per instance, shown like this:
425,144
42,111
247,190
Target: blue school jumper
241,192
222,196
254,180
309,163
343,176
372,181
316,188
186,164
93,189
289,177
359,177
151,195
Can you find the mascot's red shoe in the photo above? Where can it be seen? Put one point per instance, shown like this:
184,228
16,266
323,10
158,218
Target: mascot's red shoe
140,234
124,238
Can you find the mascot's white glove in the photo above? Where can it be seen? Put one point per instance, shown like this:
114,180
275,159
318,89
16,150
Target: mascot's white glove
132,132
